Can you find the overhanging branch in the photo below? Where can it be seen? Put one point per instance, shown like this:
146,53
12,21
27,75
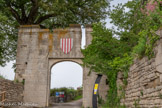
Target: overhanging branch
42,18
15,14
33,11
23,13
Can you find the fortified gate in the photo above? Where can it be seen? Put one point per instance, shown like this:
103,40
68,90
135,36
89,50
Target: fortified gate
39,49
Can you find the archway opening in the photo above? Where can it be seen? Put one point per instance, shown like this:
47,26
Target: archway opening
66,82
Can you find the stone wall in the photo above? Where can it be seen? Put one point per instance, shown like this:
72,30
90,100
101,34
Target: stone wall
38,50
144,86
14,91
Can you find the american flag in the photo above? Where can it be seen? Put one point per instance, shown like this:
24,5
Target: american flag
66,44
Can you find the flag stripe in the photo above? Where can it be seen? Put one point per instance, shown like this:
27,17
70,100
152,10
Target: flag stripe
65,46
68,45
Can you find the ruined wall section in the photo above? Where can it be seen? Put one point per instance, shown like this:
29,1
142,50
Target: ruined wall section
14,91
144,87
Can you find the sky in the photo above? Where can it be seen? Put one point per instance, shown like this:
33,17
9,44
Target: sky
64,74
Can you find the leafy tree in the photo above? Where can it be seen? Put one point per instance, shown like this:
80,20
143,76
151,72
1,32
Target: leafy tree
104,48
8,39
128,20
54,13
46,13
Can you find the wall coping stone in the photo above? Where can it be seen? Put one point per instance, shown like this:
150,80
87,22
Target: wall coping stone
29,26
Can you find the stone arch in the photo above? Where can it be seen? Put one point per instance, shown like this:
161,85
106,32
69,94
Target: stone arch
38,50
62,61
53,62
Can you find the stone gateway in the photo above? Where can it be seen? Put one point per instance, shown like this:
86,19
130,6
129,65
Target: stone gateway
39,49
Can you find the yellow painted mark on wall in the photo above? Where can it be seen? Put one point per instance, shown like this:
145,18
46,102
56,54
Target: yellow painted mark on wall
50,46
40,38
95,88
45,30
30,33
62,33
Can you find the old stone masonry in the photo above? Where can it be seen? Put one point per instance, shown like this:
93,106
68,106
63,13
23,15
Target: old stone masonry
144,87
39,49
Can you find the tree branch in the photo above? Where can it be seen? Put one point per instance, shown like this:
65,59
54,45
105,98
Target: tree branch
42,18
15,14
42,26
24,18
33,11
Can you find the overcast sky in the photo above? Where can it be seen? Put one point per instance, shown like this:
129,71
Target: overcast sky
64,74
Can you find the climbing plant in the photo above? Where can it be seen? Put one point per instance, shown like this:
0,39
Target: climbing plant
113,50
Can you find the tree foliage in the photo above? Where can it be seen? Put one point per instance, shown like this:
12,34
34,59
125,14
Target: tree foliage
68,92
54,13
8,39
46,13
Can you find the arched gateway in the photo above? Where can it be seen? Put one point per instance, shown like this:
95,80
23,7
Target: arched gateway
39,49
